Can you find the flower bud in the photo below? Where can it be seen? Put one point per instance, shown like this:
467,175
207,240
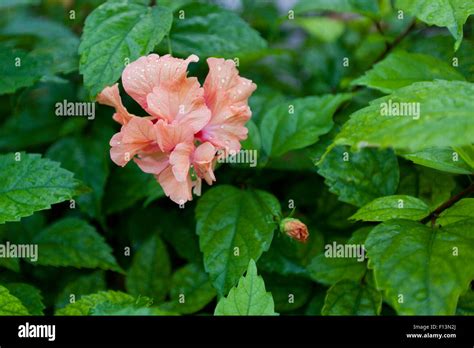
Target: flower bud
295,229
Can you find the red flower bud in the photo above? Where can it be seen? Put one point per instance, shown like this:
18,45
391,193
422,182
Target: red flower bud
295,229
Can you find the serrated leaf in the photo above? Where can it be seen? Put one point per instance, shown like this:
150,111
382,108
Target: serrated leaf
234,226
360,177
150,270
79,286
10,305
428,267
298,123
73,242
330,266
401,69
442,13
462,210
440,158
116,31
392,207
88,160
444,118
191,290
352,298
29,296
32,183
249,297
208,30
87,304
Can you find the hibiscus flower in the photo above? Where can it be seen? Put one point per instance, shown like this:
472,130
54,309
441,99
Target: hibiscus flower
188,125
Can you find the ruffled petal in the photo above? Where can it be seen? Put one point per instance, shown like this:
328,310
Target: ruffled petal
180,160
177,191
111,96
143,75
153,163
170,135
138,135
226,95
204,159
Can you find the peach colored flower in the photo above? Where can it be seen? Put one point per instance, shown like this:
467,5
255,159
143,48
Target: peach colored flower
294,229
187,126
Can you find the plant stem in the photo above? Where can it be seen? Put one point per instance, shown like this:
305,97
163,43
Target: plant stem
434,215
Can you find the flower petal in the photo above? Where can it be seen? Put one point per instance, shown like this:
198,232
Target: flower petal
137,136
153,163
177,191
180,160
226,95
111,96
143,75
204,159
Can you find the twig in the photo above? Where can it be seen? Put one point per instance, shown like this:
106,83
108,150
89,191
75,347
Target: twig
434,215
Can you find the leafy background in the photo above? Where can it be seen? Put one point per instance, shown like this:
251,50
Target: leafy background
111,244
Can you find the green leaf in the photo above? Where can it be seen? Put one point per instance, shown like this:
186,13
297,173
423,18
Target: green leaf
79,286
34,121
401,69
357,6
18,69
289,292
422,270
442,13
360,177
29,296
208,30
287,257
110,309
444,118
234,226
328,267
127,186
9,304
467,154
114,32
88,160
150,270
462,210
298,123
322,28
249,297
440,158
56,45
352,298
191,290
73,242
29,183
466,304
87,304
392,207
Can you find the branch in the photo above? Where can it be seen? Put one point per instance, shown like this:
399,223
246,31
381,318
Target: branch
434,215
